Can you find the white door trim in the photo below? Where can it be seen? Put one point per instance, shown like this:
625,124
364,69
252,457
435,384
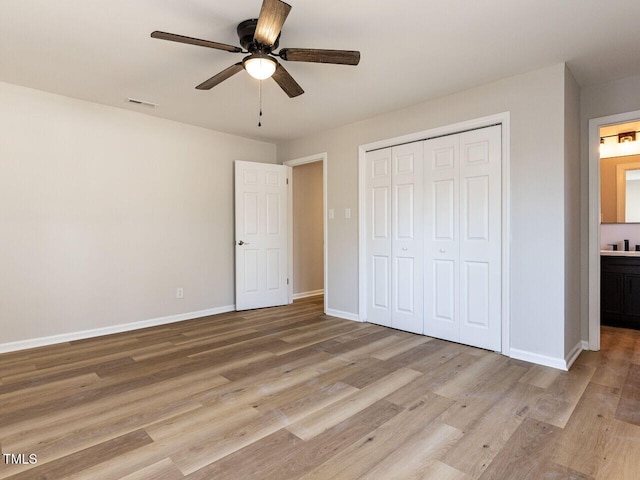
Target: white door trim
500,118
320,157
594,218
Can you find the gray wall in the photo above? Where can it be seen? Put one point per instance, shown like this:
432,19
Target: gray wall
536,102
572,241
104,212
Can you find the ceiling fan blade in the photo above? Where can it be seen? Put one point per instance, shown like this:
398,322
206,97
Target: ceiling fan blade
286,82
220,77
341,57
272,16
195,41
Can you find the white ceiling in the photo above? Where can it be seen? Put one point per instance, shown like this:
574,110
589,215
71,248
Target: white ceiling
412,50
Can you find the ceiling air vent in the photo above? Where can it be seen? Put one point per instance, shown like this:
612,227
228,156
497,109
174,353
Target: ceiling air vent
142,102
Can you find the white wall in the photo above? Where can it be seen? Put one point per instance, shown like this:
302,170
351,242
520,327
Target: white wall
617,233
536,101
104,212
572,340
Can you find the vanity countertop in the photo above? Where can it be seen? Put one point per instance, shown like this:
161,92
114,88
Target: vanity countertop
619,253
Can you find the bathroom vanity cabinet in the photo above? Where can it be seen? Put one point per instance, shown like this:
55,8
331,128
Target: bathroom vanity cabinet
620,291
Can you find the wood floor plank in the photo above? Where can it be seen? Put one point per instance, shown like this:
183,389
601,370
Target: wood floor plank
316,423
431,380
363,455
64,467
474,402
55,419
621,456
629,406
488,434
400,346
582,442
289,392
163,470
526,453
559,400
417,455
540,376
293,458
472,376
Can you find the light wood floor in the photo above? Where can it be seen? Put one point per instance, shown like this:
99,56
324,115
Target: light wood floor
288,393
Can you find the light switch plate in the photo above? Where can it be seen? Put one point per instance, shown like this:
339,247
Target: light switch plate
347,213
332,214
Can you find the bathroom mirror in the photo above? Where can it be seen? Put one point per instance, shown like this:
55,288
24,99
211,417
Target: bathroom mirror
620,189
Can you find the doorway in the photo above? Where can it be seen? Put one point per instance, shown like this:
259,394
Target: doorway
595,200
308,227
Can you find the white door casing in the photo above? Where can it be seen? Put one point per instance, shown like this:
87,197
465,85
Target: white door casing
261,236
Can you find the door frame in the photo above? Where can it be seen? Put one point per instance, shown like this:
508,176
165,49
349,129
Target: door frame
320,157
504,120
594,218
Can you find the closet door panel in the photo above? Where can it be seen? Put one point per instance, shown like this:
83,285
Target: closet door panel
407,239
480,238
378,232
441,219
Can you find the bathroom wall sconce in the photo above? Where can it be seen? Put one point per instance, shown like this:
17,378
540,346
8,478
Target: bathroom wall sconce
626,137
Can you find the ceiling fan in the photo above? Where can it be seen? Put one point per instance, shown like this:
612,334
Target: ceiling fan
259,38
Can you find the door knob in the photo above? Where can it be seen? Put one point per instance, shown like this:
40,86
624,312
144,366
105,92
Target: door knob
243,243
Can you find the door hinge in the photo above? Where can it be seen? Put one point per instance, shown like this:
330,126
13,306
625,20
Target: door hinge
287,281
287,181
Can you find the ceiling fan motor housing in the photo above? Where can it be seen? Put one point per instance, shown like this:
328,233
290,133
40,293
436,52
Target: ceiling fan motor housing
246,31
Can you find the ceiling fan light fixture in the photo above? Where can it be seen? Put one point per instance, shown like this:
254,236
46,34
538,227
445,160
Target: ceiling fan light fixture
260,66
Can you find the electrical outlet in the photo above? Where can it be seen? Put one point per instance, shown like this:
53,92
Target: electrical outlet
180,293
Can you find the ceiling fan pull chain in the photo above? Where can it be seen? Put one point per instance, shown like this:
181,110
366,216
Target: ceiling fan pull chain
260,102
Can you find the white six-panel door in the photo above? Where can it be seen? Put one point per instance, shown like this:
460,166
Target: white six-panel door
463,241
433,231
394,237
261,235
480,238
378,232
406,233
442,233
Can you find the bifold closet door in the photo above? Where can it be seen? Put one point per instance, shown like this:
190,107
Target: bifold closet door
463,211
394,228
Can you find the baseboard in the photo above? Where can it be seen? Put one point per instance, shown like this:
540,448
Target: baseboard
545,360
573,354
345,315
313,293
97,332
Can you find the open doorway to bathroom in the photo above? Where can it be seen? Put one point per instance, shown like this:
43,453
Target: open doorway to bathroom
614,212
